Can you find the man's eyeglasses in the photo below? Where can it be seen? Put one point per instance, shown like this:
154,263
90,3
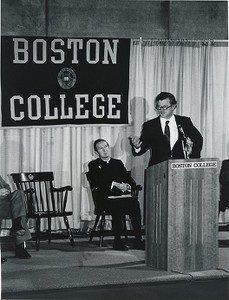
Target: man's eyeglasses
164,107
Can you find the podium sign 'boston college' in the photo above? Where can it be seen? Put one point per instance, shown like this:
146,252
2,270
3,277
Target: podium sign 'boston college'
57,81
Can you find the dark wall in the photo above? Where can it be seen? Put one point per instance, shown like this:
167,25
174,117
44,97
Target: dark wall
198,20
116,18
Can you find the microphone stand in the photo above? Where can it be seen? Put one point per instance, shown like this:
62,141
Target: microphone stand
186,155
184,151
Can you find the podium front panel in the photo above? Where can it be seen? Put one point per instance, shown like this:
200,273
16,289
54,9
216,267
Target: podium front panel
182,215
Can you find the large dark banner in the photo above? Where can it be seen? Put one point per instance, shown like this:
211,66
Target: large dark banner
57,81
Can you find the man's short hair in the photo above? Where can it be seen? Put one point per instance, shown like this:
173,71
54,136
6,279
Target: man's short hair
98,141
165,95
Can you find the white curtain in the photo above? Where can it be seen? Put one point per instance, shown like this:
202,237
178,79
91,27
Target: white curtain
195,72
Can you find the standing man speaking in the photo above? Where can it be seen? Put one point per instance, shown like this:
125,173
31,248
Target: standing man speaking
168,136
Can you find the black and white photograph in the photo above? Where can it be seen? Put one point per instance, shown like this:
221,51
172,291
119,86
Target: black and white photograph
114,150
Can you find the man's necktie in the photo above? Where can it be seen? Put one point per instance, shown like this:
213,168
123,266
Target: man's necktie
167,131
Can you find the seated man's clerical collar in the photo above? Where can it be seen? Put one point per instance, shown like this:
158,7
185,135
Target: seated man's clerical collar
107,160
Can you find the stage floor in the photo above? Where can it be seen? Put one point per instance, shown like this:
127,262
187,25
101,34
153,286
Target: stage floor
58,266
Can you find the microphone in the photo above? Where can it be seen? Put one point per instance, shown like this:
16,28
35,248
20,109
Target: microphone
184,140
187,143
182,131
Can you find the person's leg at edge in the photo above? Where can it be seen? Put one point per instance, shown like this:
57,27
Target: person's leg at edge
19,228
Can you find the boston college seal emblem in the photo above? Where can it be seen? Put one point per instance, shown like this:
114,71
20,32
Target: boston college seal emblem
66,78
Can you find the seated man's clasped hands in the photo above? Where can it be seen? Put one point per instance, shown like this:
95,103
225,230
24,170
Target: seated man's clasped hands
113,185
12,205
124,187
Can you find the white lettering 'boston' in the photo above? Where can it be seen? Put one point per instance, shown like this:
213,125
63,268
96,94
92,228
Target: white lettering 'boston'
93,50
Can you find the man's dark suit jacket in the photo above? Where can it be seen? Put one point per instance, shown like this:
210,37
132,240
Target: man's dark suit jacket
101,175
154,140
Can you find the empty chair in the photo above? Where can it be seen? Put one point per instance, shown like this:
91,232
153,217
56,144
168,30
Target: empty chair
43,200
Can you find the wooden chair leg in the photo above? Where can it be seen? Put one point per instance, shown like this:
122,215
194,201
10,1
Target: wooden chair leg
125,228
38,228
49,230
94,227
69,231
101,230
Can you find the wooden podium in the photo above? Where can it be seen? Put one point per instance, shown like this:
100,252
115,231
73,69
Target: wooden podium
182,215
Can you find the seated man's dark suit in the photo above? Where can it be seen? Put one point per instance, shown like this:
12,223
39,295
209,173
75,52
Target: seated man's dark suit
224,185
102,175
154,140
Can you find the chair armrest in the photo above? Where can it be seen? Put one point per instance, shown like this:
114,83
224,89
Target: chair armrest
135,190
29,191
62,189
138,187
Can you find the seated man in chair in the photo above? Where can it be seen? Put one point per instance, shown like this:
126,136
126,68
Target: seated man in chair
224,187
12,205
111,180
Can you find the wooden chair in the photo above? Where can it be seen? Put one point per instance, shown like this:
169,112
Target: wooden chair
43,200
101,215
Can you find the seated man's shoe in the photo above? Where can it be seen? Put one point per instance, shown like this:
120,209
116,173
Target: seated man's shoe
18,232
119,245
3,260
139,245
20,252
